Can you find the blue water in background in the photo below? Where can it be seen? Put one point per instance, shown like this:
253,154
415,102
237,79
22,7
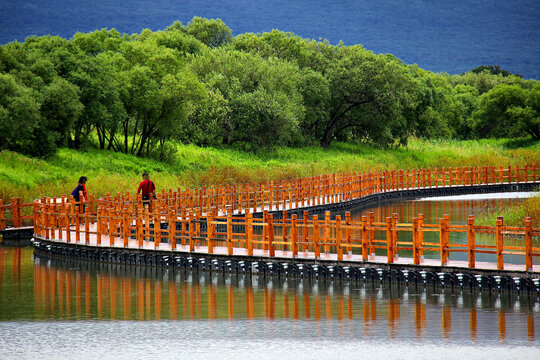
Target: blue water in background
450,36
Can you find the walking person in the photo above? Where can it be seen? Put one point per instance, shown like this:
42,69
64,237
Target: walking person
148,189
81,188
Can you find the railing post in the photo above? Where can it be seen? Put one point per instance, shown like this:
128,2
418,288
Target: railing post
52,219
172,228
389,238
407,179
294,236
305,230
326,232
19,212
139,223
2,215
249,233
61,219
98,227
348,232
271,247
371,233
77,227
471,241
86,228
284,229
43,220
191,226
443,226
421,218
265,230
395,236
500,244
210,229
91,204
338,238
416,252
528,244
365,239
316,247
125,228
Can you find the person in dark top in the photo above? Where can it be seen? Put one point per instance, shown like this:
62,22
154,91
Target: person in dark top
81,187
148,189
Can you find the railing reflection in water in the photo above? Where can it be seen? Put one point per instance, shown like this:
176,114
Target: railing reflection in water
106,292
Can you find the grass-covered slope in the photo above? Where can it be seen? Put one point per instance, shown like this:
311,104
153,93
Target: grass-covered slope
107,171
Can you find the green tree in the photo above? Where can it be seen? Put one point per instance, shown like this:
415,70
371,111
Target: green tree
527,116
157,91
98,41
205,125
368,93
60,108
493,69
97,78
358,95
212,32
240,77
19,118
492,118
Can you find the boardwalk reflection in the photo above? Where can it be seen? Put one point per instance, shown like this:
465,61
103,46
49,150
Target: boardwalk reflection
392,310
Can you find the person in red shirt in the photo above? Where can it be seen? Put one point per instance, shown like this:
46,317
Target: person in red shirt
148,189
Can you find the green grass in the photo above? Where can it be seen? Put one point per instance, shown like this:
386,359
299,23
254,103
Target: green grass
513,215
195,166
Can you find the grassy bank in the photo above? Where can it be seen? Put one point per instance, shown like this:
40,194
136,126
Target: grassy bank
513,215
112,172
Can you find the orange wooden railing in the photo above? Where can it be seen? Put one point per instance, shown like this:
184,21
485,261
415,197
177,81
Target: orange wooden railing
117,227
15,214
311,191
212,216
321,190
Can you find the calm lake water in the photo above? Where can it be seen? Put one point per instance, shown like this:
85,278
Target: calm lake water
442,36
51,309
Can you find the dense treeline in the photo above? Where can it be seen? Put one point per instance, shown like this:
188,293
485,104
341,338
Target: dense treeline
199,84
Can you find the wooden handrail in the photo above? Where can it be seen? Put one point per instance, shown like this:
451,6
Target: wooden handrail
286,194
114,228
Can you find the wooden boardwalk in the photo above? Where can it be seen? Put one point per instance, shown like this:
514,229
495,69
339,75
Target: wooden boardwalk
220,221
279,255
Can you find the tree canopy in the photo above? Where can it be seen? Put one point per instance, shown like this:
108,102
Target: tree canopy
197,83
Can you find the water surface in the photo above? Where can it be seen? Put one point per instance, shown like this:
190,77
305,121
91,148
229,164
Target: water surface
442,36
58,308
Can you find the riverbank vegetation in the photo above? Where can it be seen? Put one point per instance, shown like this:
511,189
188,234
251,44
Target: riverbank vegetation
194,105
145,93
513,215
110,171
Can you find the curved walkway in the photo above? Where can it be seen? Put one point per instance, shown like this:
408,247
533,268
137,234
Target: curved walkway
219,224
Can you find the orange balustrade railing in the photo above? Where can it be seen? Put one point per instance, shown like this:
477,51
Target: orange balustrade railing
125,222
311,191
15,214
290,235
221,217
